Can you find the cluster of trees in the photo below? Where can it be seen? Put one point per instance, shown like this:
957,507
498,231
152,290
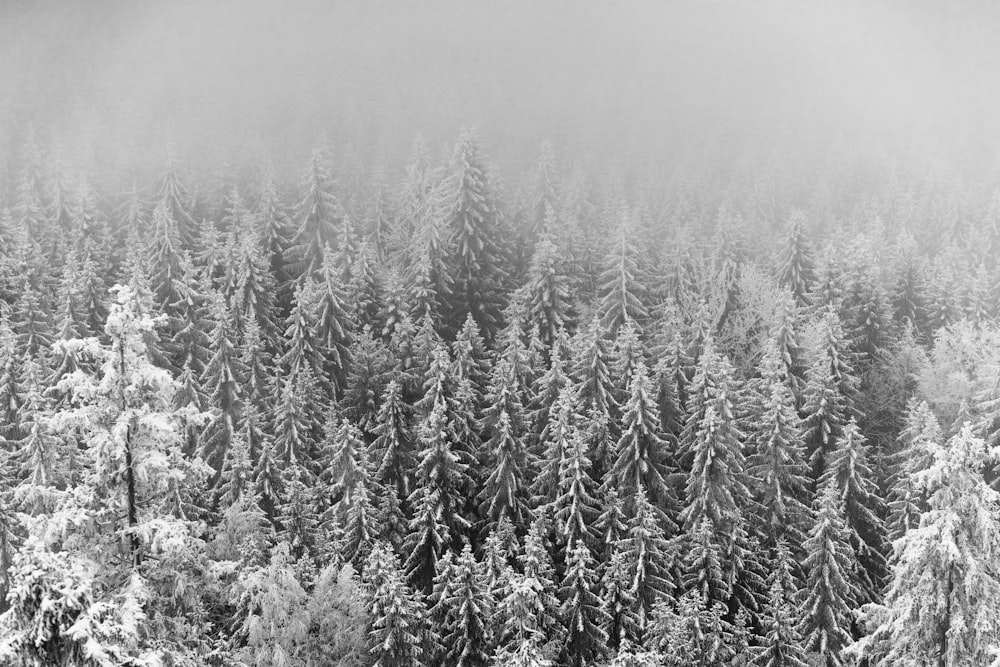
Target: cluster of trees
255,424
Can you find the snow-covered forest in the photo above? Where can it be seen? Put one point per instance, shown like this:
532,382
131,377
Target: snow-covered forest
737,405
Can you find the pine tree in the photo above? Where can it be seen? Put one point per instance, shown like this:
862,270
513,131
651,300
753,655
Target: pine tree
621,292
777,468
941,605
331,327
470,358
317,216
796,270
906,500
576,507
641,456
254,287
44,461
536,565
830,592
650,556
391,452
172,196
828,397
617,600
550,307
595,390
275,227
474,223
586,640
396,637
849,472
782,645
467,608
222,382
436,499
297,512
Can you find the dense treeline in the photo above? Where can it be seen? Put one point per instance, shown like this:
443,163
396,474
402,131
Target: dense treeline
433,422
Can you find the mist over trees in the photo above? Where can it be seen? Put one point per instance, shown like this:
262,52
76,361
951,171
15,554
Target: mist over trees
367,334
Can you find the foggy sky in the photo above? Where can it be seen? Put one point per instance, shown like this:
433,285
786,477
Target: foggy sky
113,82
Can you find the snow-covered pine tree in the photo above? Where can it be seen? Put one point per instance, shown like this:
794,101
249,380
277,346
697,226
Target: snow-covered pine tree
173,197
650,556
397,616
830,589
849,472
777,468
222,383
942,605
642,458
317,216
467,608
474,223
576,506
782,644
830,390
796,267
391,452
549,302
585,619
921,432
437,523
619,285
332,327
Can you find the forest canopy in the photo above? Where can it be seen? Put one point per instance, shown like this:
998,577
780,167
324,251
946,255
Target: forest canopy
506,356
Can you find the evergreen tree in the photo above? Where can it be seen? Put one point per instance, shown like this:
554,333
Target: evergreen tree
621,291
474,223
436,499
317,216
550,307
576,506
467,609
641,456
777,467
392,449
941,606
173,198
828,397
830,592
796,269
650,556
906,500
396,637
848,470
331,328
222,382
782,645
585,619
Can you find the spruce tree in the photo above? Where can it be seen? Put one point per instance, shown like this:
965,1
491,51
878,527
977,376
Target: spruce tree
221,383
830,591
621,292
396,637
650,556
586,639
478,253
467,609
549,301
317,216
942,605
828,397
796,267
849,472
641,455
777,467
391,452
